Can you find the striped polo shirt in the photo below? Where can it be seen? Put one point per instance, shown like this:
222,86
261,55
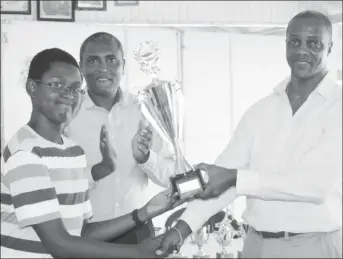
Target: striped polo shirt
40,181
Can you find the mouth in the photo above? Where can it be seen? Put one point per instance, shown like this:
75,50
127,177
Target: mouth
104,80
66,102
302,63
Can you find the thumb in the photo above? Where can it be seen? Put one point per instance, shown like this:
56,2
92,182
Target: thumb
103,131
163,249
167,192
202,166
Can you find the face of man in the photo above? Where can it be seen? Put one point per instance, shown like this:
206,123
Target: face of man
53,101
102,65
308,46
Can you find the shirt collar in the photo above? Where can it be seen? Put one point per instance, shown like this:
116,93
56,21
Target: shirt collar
326,88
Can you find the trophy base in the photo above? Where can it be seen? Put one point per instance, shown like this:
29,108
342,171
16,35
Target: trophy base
224,255
189,184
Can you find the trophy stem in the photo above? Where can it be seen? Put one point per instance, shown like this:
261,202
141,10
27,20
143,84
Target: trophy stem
181,165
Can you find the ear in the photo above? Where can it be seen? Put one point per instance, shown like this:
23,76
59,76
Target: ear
123,65
31,87
330,47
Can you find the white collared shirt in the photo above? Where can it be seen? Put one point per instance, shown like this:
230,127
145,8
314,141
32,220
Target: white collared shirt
289,167
125,189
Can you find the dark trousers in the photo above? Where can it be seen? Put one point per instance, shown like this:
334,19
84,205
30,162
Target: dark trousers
136,235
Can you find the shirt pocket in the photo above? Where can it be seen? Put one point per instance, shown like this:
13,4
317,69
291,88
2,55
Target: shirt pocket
311,138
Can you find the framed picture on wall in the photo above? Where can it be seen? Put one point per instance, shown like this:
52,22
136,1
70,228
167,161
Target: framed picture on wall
15,7
91,5
58,11
123,3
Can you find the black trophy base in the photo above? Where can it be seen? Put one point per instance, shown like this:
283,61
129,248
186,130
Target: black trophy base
189,184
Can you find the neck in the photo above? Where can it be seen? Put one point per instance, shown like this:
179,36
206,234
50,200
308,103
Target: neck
304,87
106,102
45,128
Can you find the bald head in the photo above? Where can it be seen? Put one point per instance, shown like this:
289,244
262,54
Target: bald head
309,43
312,15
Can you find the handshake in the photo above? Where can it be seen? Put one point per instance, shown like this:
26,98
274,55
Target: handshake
163,245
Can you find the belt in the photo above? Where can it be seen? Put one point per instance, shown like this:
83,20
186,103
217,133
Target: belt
274,235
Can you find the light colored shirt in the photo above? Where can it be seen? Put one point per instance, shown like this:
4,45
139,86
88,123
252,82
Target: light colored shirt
289,167
127,188
40,181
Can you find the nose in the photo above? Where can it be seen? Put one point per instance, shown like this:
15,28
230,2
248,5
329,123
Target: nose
102,66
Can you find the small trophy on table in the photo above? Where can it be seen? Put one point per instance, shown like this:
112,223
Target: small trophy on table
224,236
162,105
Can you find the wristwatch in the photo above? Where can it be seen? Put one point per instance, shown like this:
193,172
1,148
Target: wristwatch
135,218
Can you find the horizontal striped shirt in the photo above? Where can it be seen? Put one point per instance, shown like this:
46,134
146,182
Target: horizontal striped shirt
40,181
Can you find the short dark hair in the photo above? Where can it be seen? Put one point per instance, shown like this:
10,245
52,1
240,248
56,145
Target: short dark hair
317,15
98,37
41,62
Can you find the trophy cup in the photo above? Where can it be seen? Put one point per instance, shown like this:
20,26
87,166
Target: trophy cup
224,236
161,103
200,238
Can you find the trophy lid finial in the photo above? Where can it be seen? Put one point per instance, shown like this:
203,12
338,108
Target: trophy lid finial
148,56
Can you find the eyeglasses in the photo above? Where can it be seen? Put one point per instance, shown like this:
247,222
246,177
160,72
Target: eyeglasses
62,87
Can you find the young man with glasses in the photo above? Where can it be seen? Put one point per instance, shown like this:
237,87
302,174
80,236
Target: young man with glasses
45,206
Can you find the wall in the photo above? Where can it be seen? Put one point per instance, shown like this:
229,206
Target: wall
198,12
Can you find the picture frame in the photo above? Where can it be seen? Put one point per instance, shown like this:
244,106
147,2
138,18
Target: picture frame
15,7
125,3
91,5
57,11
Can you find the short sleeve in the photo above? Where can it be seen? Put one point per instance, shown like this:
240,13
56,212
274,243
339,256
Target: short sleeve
32,193
87,208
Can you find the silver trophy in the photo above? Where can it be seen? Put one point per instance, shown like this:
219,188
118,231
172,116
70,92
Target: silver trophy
224,236
200,238
162,104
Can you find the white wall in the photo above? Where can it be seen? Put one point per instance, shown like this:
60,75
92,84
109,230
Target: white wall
207,90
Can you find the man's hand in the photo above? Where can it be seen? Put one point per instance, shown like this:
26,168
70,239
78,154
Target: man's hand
162,202
141,142
220,180
147,248
171,239
109,157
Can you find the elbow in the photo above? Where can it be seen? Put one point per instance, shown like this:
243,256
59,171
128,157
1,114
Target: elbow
59,248
318,195
318,198
88,233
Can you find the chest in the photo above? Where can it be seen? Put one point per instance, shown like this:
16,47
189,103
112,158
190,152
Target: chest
283,136
122,124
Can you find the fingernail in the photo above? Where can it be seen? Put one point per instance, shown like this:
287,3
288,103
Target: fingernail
158,252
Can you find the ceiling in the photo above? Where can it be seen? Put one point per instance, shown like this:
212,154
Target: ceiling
333,9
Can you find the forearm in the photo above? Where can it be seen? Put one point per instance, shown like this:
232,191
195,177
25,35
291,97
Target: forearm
281,186
158,169
199,211
113,228
76,247
100,170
